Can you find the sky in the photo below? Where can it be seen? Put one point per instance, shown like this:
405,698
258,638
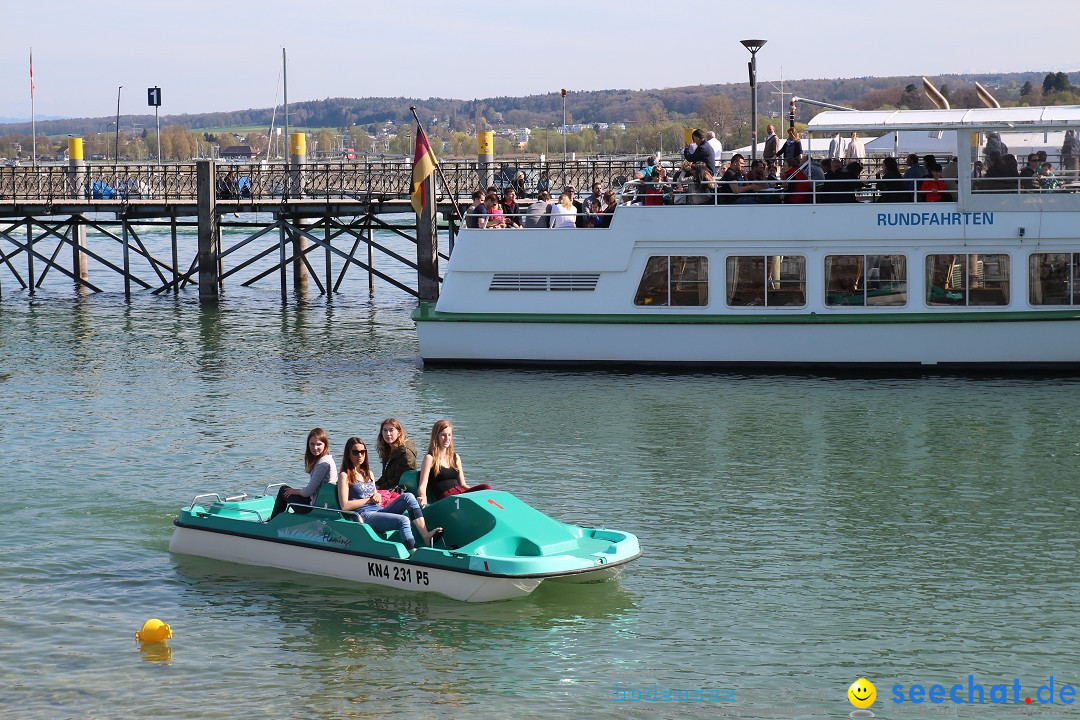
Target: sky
220,56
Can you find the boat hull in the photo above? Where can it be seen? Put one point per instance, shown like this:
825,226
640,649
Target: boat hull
403,575
1006,340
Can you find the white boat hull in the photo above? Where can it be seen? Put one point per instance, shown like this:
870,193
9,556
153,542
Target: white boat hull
1005,343
469,587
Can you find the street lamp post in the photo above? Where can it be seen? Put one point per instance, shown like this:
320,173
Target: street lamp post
116,141
753,46
564,128
661,136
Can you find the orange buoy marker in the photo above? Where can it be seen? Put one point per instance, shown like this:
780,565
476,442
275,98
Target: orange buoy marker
154,631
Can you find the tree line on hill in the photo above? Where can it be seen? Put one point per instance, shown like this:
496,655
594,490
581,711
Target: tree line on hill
650,117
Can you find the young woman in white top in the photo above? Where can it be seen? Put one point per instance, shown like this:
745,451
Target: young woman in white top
563,213
321,469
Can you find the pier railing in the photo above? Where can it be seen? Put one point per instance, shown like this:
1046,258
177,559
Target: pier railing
261,182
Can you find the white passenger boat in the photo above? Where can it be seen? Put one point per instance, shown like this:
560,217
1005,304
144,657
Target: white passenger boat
988,279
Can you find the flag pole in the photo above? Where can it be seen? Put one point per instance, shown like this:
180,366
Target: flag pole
33,114
438,169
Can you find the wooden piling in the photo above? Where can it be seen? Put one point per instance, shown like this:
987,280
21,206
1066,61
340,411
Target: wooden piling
79,267
427,247
297,159
30,254
209,231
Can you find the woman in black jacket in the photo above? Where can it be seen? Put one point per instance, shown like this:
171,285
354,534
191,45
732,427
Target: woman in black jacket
397,452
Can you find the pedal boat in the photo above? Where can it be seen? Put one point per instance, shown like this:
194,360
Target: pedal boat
494,547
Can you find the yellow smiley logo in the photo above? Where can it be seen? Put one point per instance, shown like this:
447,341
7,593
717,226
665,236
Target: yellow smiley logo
862,693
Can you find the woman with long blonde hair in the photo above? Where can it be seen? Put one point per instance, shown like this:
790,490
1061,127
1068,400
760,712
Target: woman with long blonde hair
441,473
356,492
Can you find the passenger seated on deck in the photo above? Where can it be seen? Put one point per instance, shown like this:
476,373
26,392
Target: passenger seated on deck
796,184
609,209
891,184
932,189
396,451
538,215
441,474
563,213
321,469
701,189
356,492
655,187
476,216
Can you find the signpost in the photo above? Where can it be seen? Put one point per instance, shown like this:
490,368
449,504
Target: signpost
153,99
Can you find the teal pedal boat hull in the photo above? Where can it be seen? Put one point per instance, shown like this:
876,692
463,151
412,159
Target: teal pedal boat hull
495,546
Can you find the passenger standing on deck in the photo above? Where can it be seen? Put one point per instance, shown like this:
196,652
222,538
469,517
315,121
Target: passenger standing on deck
856,151
441,474
836,147
716,145
700,151
320,468
1070,153
792,147
396,451
771,143
356,492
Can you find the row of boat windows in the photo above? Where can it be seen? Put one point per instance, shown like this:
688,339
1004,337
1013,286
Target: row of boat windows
952,279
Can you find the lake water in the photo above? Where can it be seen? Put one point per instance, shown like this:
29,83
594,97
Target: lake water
799,532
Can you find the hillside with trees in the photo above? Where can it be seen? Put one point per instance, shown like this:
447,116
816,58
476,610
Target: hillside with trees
637,119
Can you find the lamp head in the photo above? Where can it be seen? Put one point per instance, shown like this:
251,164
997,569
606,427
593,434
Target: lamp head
753,45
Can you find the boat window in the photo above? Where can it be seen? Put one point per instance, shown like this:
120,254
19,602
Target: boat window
674,280
1054,278
967,279
771,280
865,280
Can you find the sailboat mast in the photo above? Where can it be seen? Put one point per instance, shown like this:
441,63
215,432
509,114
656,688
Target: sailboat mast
285,91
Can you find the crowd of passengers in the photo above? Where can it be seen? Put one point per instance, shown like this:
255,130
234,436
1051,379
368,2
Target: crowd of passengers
383,503
784,174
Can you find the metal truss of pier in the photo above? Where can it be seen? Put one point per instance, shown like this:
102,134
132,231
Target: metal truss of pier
321,220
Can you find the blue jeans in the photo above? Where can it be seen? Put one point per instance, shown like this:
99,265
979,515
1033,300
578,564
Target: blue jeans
389,517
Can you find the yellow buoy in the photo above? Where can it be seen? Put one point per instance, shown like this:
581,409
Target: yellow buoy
154,631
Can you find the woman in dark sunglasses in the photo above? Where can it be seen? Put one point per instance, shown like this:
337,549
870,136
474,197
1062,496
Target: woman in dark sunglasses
356,491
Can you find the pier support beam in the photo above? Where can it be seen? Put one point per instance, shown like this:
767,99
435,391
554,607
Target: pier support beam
299,245
209,231
427,247
78,251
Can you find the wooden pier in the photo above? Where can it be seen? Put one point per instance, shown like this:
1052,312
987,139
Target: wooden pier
327,209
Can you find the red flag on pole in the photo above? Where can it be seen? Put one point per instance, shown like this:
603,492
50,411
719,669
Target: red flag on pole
31,72
424,164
